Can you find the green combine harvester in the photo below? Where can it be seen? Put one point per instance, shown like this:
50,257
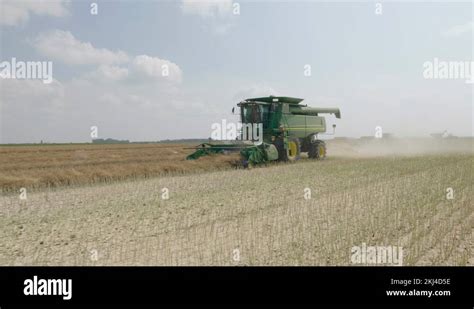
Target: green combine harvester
285,128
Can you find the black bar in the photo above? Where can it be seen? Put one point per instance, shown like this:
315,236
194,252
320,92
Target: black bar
240,285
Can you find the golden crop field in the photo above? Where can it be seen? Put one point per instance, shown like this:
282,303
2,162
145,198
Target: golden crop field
421,202
42,166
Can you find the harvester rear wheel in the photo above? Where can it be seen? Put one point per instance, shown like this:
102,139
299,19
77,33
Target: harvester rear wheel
317,150
292,152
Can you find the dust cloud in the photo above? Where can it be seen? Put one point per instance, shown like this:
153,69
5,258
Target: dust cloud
347,147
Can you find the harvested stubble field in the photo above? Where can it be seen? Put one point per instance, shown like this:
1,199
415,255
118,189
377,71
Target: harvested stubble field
260,216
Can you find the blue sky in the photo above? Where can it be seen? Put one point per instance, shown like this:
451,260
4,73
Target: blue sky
369,65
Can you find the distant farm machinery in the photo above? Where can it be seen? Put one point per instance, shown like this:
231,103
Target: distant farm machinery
274,128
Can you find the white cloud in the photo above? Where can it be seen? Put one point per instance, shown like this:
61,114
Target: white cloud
459,29
157,68
218,15
255,90
109,73
63,46
123,99
15,12
207,8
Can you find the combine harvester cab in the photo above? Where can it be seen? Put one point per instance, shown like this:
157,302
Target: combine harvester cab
285,128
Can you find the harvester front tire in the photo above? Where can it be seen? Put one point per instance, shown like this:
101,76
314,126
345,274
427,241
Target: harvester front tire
317,150
291,153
